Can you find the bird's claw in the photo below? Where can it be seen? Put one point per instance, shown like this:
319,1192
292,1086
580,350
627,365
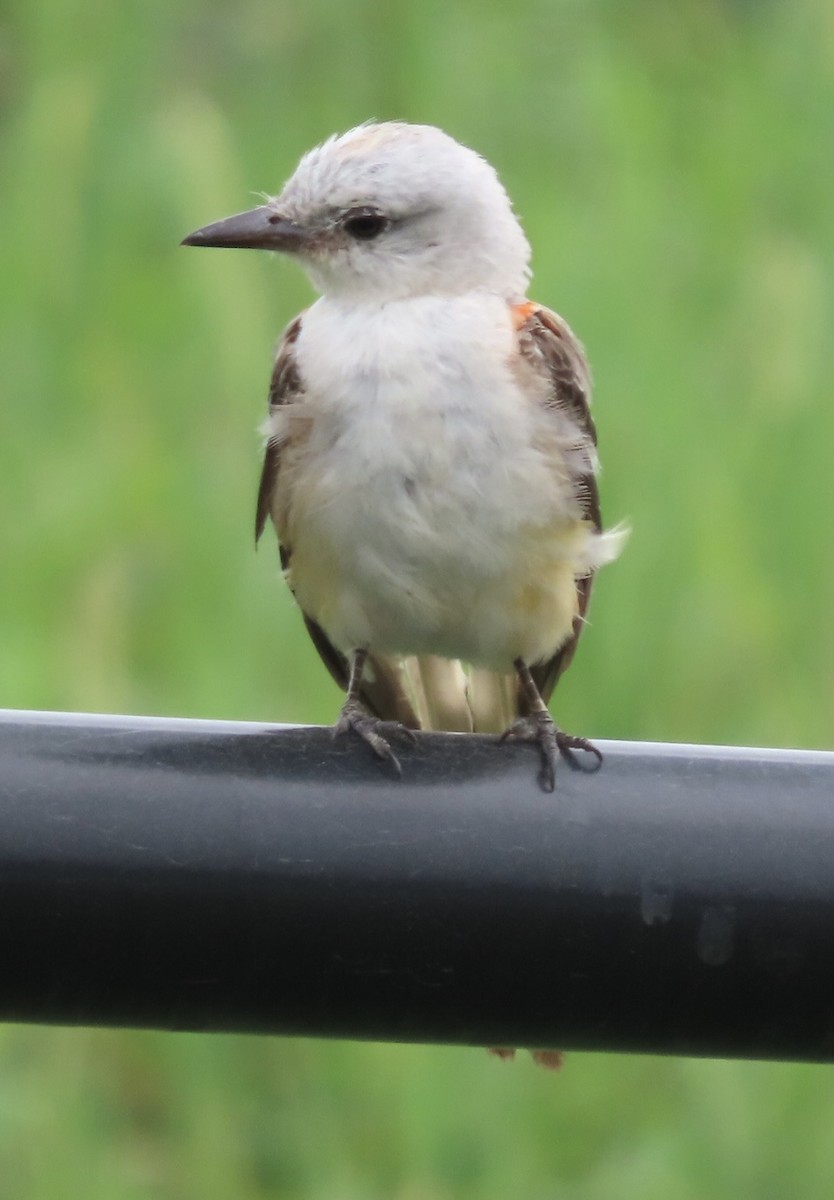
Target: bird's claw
373,731
568,742
539,727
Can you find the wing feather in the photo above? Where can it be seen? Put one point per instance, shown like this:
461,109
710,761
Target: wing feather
547,343
285,387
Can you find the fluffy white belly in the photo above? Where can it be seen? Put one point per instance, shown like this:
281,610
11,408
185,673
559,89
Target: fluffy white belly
428,513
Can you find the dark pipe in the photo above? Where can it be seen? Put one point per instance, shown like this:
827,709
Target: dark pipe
218,876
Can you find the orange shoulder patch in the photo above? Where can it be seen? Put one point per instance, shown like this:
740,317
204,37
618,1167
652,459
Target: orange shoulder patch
521,313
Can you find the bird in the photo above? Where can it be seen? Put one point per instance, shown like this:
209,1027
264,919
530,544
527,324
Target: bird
430,462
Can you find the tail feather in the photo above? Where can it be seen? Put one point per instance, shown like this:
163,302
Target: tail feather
440,690
429,692
493,700
387,691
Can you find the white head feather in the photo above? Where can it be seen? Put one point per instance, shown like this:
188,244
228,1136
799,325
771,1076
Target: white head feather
449,227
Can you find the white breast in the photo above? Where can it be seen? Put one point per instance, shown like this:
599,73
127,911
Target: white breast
425,493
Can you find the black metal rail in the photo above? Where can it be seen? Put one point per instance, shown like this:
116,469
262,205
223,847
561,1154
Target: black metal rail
219,876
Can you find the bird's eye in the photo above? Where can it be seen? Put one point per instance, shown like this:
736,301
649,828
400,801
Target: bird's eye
365,226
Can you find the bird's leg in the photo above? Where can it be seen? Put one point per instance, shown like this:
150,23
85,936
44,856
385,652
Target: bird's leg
539,727
354,716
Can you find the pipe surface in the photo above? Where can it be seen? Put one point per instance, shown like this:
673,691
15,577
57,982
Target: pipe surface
205,875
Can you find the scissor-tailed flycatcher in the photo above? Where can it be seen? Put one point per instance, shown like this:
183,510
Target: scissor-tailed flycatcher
430,463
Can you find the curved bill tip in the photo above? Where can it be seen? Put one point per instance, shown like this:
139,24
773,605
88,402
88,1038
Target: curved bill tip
260,228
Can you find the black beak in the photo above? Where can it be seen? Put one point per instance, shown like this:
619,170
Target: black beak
259,229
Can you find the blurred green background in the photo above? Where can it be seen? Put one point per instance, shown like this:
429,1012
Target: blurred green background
674,167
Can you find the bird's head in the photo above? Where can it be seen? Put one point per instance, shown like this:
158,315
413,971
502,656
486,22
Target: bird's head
389,211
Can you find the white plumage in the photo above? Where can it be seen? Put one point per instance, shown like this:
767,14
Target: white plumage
431,458
425,484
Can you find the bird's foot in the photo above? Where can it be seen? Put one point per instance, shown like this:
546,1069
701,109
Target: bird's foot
552,741
372,730
551,1060
505,1053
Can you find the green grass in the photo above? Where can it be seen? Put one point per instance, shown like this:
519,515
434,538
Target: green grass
673,167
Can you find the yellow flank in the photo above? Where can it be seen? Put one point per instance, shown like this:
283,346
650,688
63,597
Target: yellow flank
544,601
317,581
543,607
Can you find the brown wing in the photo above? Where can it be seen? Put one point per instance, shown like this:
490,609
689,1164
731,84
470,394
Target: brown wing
285,387
385,694
547,343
